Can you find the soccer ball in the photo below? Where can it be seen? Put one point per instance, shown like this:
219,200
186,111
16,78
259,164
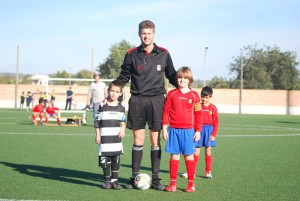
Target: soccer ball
142,181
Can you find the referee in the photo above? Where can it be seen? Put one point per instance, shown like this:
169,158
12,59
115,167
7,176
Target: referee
146,66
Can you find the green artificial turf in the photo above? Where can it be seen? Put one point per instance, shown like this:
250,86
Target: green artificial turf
257,158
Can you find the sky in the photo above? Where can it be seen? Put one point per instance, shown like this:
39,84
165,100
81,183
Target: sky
57,35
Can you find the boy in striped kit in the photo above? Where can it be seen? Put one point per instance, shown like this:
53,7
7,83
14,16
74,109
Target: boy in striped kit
110,124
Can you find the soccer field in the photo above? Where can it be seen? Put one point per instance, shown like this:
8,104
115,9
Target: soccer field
257,158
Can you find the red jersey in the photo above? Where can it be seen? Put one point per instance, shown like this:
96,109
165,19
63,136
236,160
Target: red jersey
51,110
38,108
210,117
182,110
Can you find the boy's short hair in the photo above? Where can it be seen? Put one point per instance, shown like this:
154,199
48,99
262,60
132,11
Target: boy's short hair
146,24
116,83
206,91
185,72
41,100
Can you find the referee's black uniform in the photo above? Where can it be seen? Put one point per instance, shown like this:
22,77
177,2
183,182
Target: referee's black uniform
147,72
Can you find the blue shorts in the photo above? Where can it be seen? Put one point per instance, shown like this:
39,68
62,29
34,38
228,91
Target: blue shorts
51,115
205,135
181,141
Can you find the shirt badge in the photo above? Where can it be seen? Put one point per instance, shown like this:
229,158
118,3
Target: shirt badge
158,67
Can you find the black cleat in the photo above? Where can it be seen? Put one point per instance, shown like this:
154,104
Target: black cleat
115,185
156,184
130,184
107,185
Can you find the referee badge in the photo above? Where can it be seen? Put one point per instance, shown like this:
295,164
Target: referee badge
158,67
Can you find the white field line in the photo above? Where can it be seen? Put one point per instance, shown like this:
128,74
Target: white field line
91,134
270,135
47,134
251,126
26,200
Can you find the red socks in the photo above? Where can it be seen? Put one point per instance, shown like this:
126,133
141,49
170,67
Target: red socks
190,168
208,160
196,159
174,165
41,118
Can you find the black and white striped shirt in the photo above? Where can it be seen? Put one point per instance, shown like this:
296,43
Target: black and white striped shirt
108,120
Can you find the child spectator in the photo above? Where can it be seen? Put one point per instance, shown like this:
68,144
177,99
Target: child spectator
51,111
110,129
183,116
38,111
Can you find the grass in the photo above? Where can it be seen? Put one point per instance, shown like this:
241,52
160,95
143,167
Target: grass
257,158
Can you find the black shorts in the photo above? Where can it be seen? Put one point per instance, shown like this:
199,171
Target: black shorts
144,109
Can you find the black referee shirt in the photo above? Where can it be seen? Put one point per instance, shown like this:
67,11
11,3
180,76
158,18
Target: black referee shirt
147,71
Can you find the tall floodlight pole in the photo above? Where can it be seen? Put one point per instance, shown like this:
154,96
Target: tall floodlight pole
206,47
17,79
92,66
241,84
70,76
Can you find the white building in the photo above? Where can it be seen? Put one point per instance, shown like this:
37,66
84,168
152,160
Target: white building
39,79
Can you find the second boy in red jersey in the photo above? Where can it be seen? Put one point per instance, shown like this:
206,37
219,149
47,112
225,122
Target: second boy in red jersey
209,131
51,111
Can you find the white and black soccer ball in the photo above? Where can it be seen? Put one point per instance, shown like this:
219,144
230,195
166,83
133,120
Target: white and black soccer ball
142,181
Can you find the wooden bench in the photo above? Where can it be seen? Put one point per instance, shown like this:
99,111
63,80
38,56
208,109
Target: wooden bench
79,120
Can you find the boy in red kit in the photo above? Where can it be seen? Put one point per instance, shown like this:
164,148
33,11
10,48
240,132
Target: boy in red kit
209,131
51,112
38,111
181,127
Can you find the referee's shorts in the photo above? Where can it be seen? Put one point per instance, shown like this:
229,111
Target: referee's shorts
144,109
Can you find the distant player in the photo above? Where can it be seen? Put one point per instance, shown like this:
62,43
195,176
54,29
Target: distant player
51,111
22,100
69,98
52,95
110,129
209,131
38,111
181,127
28,100
45,98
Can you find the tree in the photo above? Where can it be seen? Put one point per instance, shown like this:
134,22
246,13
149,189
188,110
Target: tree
6,79
25,79
265,68
84,74
219,82
61,74
111,67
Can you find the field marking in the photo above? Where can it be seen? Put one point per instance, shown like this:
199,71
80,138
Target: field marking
271,135
46,134
258,126
26,200
90,134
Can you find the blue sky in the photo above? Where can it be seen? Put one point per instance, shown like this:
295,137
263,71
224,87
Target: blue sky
58,35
